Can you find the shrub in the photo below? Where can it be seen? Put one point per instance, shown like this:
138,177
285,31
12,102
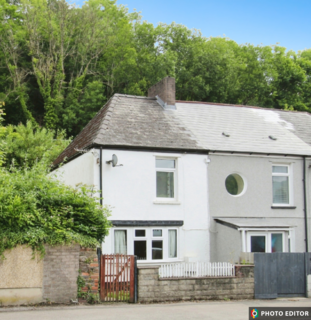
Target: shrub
36,209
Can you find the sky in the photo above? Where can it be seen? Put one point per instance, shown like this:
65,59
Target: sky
264,22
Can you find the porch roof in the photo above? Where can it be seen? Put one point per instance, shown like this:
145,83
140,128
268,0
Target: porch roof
254,222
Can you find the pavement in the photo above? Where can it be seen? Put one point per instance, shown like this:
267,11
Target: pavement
233,310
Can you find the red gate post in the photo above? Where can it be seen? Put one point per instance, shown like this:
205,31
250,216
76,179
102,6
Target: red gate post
102,278
132,280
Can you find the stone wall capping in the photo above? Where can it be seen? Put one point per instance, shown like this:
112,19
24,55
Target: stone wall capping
151,288
148,267
194,278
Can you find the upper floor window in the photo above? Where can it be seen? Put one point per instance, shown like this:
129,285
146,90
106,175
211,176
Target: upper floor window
281,184
165,177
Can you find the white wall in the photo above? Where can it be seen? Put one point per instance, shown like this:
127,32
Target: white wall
131,192
79,170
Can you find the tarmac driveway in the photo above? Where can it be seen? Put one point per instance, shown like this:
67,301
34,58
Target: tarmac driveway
233,310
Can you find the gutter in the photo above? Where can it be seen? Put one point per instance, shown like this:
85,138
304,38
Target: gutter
305,202
101,174
176,150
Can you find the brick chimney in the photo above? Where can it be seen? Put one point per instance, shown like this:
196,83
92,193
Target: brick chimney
164,92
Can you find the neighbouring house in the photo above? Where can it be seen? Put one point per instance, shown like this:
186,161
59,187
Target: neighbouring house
195,181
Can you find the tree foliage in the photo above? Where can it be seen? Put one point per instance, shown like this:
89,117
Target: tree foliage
60,63
25,145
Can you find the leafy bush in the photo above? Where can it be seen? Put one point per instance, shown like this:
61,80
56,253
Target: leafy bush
36,209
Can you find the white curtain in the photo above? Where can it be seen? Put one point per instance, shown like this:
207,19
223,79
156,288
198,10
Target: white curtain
172,243
120,245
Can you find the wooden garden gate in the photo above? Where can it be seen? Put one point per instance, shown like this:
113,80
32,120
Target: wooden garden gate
118,278
281,274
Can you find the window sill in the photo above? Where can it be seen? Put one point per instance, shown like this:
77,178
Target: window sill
283,207
165,202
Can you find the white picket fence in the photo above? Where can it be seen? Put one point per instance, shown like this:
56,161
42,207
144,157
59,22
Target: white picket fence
196,269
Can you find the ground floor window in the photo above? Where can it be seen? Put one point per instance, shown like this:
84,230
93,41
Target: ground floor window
272,241
148,244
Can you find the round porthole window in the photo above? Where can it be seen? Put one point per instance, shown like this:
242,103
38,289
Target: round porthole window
235,184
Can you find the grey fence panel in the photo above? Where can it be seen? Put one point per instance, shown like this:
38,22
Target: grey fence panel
265,276
290,274
308,263
281,274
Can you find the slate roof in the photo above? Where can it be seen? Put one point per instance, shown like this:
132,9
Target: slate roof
132,121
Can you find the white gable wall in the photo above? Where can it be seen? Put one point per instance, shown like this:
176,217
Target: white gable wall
78,171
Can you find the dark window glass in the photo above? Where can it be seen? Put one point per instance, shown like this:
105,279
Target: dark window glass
140,250
140,233
258,244
234,184
157,250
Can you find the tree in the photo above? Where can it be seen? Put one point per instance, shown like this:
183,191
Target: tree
60,63
2,133
288,81
12,45
25,145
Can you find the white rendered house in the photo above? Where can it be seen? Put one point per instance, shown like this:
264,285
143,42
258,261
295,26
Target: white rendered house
191,181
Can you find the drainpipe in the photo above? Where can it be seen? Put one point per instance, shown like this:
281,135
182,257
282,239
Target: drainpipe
99,251
305,201
101,174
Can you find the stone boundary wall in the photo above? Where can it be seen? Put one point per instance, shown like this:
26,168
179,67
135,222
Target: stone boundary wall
153,289
89,270
60,273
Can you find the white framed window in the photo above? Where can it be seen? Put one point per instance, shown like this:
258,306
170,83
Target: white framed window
166,178
149,244
235,184
282,190
270,241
